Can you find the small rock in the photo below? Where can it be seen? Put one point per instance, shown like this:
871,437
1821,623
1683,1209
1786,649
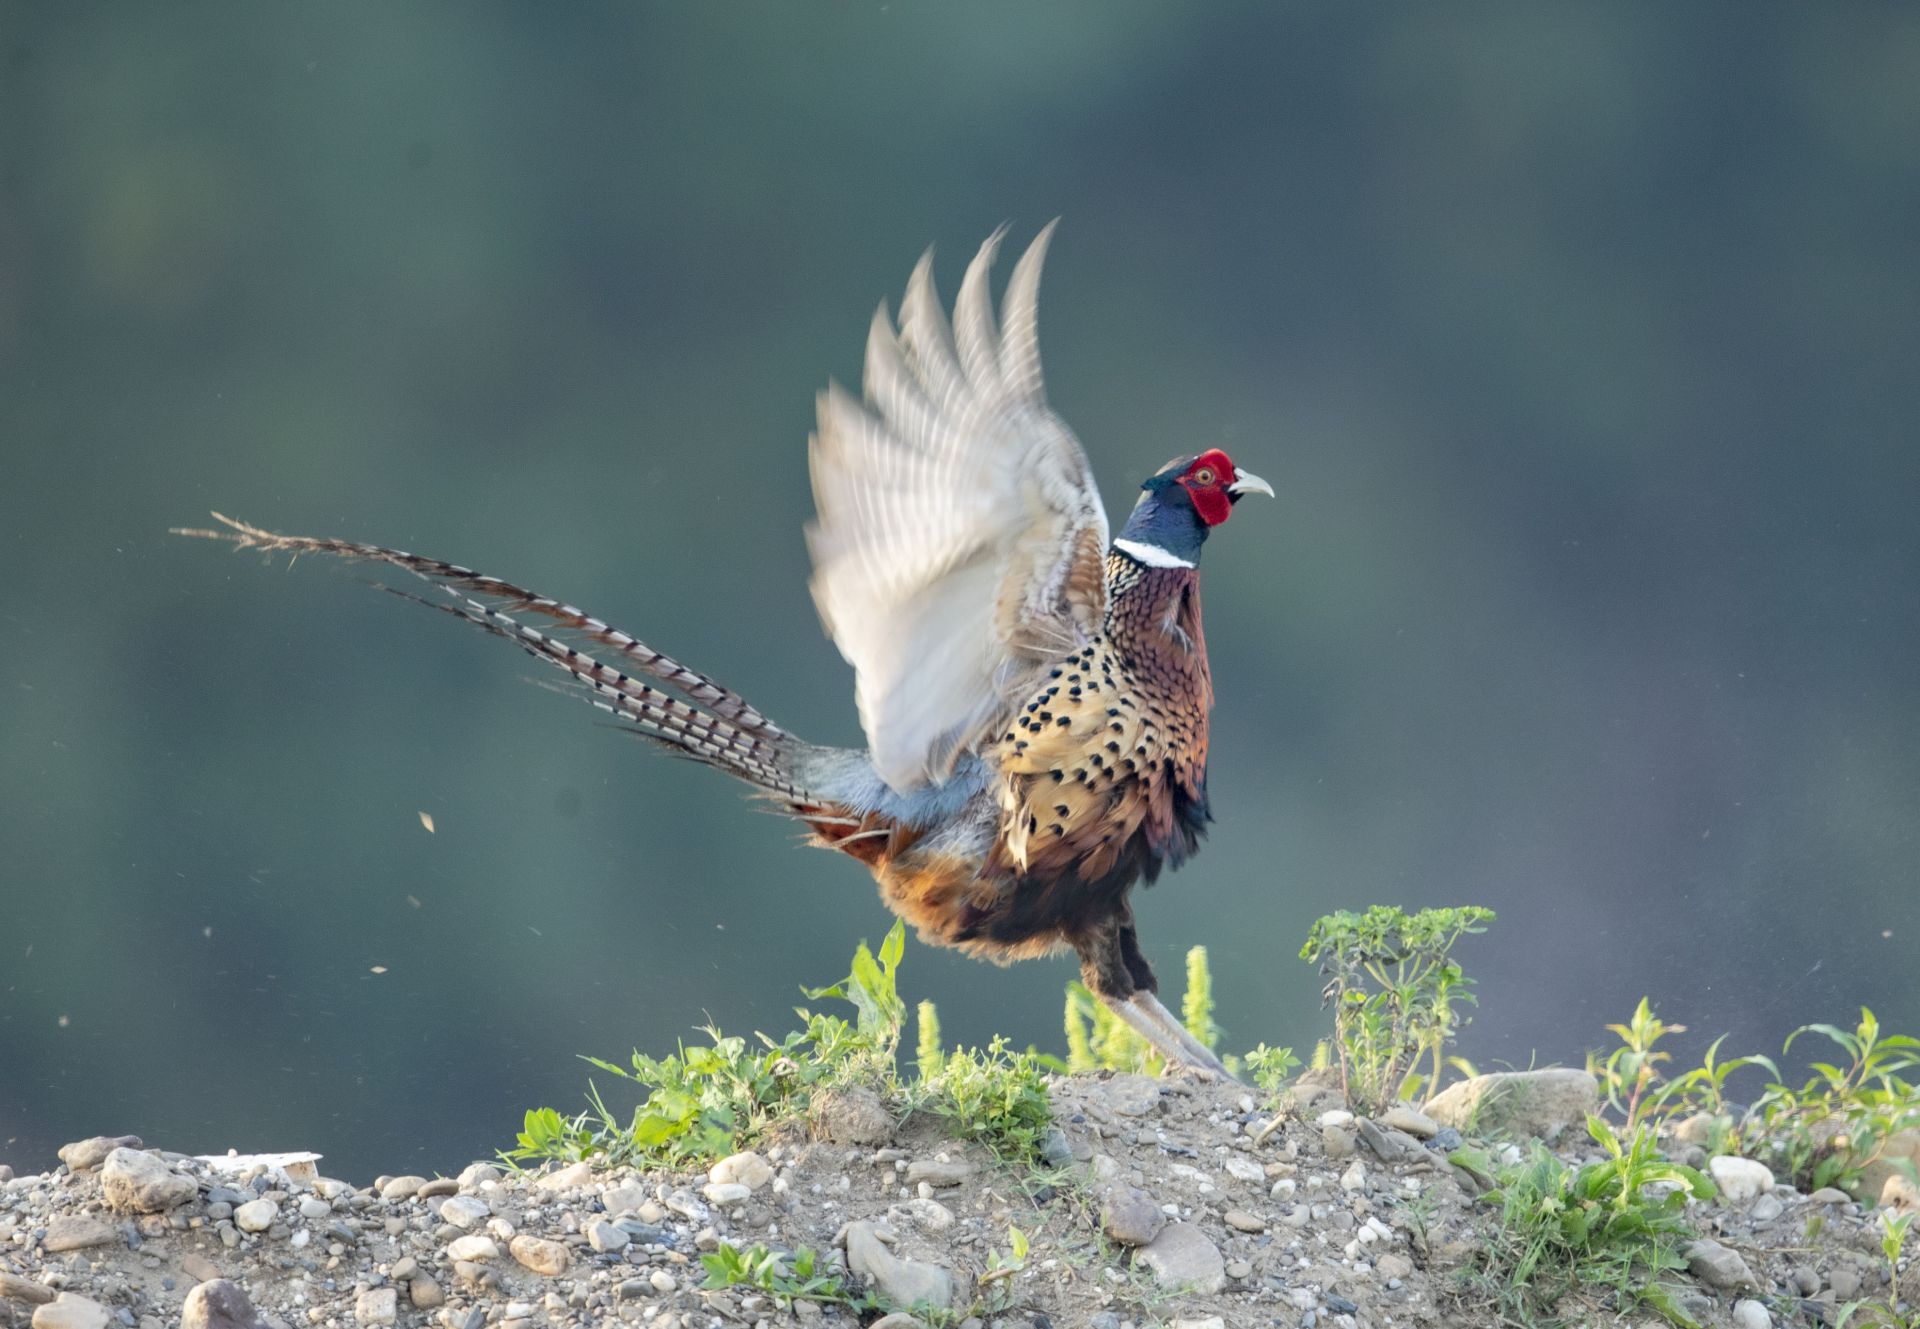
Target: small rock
726,1194
746,1169
1338,1141
1056,1150
472,1247
624,1199
1391,1145
1719,1268
256,1215
930,1215
1333,1117
1130,1216
78,1234
1541,1103
424,1293
1240,1269
134,1181
1130,1095
936,1173
1739,1179
465,1211
608,1237
1245,1169
380,1305
1183,1257
438,1187
70,1310
663,1282
898,1320
902,1282
199,1268
569,1178
1406,1117
313,1208
851,1116
1391,1266
1696,1129
1355,1177
1767,1208
1830,1195
1210,1322
1845,1282
86,1155
476,1175
1242,1221
1749,1314
540,1255
15,1288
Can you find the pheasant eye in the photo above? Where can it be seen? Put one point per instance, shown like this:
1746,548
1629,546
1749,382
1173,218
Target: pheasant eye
1203,476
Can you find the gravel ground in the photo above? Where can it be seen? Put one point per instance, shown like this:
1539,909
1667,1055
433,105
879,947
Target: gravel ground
1164,1202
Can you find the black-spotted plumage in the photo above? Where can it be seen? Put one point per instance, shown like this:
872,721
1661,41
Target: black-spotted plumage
1035,696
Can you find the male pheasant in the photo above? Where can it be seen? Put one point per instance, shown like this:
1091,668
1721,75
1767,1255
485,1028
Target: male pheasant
1035,696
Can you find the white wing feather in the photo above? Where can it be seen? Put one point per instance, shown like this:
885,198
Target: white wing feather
960,540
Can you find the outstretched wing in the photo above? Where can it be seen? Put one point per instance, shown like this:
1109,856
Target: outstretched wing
960,544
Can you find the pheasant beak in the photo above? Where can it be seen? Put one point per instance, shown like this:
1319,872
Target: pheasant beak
1246,482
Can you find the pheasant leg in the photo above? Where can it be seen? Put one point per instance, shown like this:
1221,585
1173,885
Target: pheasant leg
1146,1016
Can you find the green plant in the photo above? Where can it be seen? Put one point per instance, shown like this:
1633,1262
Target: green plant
996,1096
928,1054
1827,1131
1395,990
1636,1088
784,1278
703,1102
1196,1003
1874,1315
996,1284
1270,1068
1612,1225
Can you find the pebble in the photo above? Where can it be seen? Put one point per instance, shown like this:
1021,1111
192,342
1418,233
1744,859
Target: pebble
86,1155
1718,1267
625,1199
1830,1195
424,1293
663,1282
1767,1208
608,1237
256,1215
312,1207
1748,1314
380,1305
747,1169
1355,1177
401,1188
1391,1266
134,1181
726,1194
930,1214
1333,1117
1183,1256
541,1255
465,1211
1245,1169
1405,1117
219,1304
472,1247
1739,1179
77,1234
1131,1217
936,1173
1243,1221
70,1310
569,1178
15,1288
477,1175
438,1187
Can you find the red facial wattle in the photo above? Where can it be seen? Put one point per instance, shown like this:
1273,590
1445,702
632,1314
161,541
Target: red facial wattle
1206,481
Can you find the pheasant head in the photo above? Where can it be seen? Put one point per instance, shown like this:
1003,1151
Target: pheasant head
1181,503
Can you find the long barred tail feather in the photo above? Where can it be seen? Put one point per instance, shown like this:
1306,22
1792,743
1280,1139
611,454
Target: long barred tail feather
728,733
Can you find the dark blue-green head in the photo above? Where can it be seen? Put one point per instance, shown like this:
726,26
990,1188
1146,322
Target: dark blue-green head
1180,503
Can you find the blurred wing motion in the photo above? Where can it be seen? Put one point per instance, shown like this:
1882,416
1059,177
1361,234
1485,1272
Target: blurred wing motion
960,544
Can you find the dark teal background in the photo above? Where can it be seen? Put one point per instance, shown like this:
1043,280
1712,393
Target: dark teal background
1579,341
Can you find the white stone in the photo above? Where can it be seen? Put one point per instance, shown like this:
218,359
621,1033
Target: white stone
1244,1169
465,1211
1355,1177
567,1178
1739,1179
70,1310
746,1169
380,1305
1749,1314
726,1194
1334,1117
473,1247
663,1282
256,1215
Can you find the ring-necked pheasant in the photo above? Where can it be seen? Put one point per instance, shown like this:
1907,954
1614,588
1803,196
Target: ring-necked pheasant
1035,695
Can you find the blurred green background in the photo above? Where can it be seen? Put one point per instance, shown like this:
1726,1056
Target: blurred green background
1581,343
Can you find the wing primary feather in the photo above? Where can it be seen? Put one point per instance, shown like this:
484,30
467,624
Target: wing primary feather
974,330
1020,321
